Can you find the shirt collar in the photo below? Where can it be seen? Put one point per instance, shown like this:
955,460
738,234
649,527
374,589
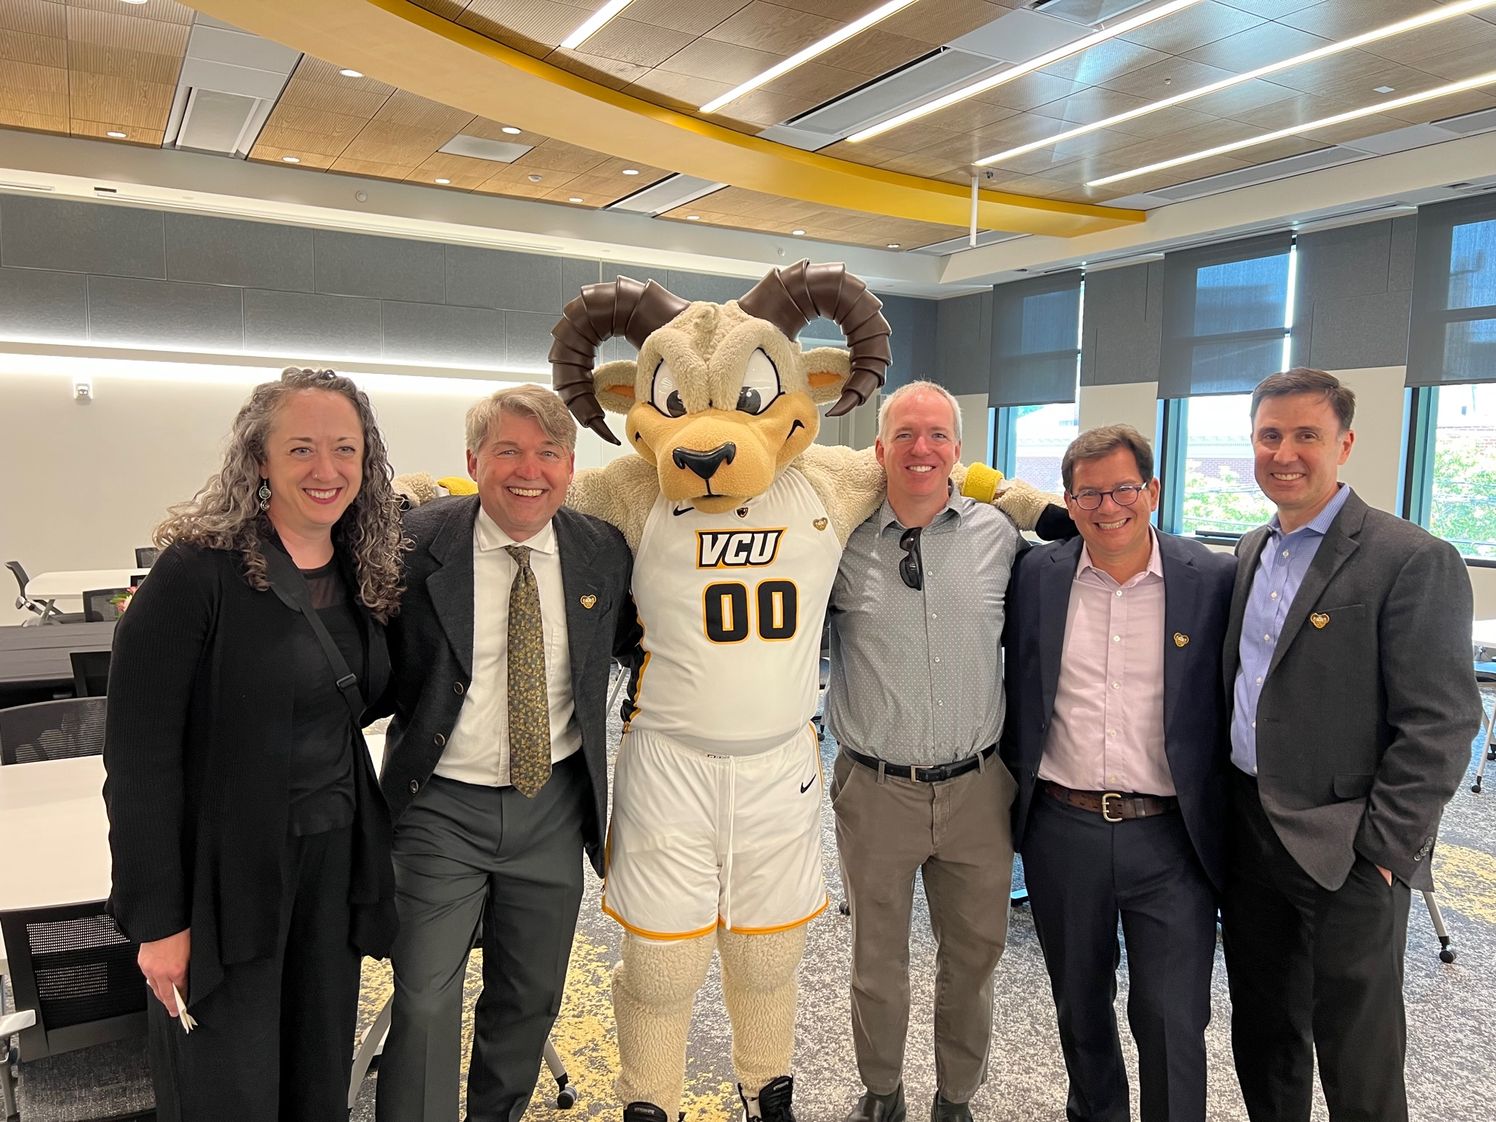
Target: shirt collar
955,506
1155,566
488,535
1320,523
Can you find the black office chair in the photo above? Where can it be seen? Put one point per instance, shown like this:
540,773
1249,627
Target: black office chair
75,971
99,604
145,556
44,611
52,730
90,673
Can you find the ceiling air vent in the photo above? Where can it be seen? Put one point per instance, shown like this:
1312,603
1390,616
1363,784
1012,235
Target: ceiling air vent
217,121
481,148
1261,173
667,194
909,86
1482,120
229,83
1088,12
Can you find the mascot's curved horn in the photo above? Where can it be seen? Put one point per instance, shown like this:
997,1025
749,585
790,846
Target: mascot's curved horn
622,307
790,298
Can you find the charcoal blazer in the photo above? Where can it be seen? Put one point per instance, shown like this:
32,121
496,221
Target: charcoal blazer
1197,595
1369,704
431,643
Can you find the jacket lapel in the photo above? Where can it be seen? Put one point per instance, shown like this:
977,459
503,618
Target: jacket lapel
1340,542
450,585
1181,598
1055,580
577,547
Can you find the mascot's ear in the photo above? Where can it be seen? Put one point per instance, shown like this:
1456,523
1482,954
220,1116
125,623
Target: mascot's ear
827,368
613,382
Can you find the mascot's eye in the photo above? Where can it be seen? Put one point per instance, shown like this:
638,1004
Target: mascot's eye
760,384
664,396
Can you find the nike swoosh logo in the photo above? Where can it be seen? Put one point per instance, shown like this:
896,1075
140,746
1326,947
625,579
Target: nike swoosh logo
807,784
678,511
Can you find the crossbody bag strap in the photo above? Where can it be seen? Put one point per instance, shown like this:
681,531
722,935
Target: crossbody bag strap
290,586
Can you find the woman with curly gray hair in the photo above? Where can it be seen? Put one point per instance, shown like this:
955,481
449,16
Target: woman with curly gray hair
249,837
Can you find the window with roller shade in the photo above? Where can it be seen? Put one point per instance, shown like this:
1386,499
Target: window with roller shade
1035,371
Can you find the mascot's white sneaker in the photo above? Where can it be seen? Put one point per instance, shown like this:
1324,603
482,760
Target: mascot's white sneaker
771,1104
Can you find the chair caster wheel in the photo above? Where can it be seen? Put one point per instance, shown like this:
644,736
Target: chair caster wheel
1446,955
566,1098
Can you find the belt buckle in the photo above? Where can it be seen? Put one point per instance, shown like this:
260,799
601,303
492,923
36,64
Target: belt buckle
1106,810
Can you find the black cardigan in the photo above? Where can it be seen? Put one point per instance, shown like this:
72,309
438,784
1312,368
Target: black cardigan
197,755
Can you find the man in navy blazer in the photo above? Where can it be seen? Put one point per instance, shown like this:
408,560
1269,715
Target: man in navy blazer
1116,737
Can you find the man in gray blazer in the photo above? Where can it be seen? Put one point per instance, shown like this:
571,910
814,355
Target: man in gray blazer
493,810
1353,707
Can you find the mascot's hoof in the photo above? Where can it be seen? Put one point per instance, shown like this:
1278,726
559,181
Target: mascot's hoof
643,1112
772,1103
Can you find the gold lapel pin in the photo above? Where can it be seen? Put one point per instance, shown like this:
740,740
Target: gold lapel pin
1321,620
589,600
1181,639
819,523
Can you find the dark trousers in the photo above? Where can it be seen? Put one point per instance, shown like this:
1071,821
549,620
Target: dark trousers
467,857
1083,873
274,1041
1312,970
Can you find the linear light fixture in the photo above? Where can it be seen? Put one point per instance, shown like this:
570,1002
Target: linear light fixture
1479,80
1048,58
1401,27
594,23
819,47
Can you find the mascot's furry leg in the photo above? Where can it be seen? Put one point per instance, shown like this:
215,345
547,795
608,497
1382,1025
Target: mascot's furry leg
654,988
759,984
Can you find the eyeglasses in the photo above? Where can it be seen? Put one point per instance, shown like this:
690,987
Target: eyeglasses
911,569
1125,495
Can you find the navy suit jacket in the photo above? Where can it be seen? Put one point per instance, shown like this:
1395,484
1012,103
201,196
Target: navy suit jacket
1197,601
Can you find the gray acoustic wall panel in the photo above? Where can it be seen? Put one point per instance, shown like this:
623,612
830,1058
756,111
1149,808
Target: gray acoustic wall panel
384,268
528,341
435,334
291,322
247,254
963,350
576,272
491,278
36,304
82,237
150,313
703,286
1122,325
1353,295
913,342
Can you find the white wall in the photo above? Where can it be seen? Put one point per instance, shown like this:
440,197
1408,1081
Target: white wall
84,484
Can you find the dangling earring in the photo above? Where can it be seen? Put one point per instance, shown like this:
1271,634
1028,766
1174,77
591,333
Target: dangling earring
263,494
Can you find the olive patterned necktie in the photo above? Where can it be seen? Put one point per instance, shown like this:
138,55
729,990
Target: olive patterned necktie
529,707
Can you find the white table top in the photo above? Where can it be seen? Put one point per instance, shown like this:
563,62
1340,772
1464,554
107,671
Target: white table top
1483,634
53,826
64,583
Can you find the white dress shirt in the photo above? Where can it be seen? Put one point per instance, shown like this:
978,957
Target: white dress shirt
478,750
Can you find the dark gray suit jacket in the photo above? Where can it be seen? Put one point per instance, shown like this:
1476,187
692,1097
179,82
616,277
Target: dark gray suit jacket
1197,593
1369,706
431,643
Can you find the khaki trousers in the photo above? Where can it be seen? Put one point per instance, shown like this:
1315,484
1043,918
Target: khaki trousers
957,835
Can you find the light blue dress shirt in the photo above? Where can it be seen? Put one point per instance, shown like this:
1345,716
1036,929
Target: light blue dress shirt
1280,571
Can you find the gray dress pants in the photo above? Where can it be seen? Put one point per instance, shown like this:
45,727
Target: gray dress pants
468,858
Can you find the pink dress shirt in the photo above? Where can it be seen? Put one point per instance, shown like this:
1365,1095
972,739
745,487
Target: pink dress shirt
1107,730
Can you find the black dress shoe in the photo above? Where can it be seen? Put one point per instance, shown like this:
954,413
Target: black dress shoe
643,1112
943,1111
879,1108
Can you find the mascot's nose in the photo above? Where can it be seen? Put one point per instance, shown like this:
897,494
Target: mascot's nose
705,464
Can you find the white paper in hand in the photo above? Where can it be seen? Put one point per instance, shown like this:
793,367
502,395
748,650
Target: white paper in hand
188,1023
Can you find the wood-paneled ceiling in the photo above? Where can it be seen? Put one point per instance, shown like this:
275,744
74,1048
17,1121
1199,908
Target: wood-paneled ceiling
90,67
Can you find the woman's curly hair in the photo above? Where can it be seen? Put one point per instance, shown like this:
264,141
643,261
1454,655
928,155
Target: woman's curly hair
225,513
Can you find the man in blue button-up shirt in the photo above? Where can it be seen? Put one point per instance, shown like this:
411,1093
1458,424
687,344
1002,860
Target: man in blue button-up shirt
1354,705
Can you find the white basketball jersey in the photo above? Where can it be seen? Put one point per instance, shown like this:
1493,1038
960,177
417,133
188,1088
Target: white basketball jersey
732,607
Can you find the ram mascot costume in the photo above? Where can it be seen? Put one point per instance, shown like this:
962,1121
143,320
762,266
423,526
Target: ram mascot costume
737,521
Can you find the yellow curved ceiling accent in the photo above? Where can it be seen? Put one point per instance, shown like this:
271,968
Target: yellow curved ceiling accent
415,50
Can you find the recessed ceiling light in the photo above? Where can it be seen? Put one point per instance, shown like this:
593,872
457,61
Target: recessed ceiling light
512,131
534,178
630,171
116,134
1479,80
798,233
819,47
443,180
290,159
1048,58
594,23
1383,89
349,72
892,245
1423,19
575,199
693,218
135,1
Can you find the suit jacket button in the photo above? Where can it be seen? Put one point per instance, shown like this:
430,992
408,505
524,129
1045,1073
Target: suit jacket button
415,785
457,688
439,740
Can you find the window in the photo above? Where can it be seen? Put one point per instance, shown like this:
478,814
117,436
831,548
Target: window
1455,476
1214,490
1031,440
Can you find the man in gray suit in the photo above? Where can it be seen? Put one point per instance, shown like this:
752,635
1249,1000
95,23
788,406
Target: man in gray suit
492,808
1354,704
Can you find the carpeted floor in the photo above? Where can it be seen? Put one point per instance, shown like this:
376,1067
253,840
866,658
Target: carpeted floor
1451,1010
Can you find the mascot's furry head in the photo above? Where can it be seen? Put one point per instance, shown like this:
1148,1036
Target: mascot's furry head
721,397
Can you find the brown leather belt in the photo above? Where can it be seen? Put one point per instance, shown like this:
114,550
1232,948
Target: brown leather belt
1114,806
